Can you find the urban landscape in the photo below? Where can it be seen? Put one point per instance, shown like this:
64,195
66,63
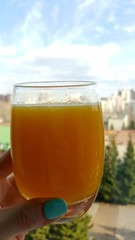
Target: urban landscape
118,114
119,117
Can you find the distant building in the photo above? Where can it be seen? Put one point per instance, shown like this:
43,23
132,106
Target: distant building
115,123
105,106
5,98
130,113
120,106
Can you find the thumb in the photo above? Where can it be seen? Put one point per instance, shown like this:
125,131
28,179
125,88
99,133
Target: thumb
30,215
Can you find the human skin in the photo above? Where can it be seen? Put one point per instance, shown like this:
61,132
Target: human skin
17,215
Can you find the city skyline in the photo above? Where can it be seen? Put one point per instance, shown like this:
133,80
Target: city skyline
81,40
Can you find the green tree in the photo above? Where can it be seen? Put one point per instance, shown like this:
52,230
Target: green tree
127,175
74,230
131,125
112,127
109,190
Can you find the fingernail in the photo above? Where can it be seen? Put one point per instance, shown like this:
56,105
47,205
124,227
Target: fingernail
54,208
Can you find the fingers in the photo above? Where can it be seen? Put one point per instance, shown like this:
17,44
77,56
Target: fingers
5,164
30,215
9,193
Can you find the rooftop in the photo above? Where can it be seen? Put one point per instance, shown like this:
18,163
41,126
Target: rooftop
121,137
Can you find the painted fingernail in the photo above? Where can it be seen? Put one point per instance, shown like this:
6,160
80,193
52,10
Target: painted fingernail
54,208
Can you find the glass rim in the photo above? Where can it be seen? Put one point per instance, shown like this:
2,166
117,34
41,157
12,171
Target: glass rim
55,84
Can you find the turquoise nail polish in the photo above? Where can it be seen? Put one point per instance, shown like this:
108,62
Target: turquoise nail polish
54,208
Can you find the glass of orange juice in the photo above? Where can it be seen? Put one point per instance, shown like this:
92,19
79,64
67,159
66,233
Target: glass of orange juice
57,142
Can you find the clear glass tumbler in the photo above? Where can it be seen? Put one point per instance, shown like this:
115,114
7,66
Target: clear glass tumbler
57,142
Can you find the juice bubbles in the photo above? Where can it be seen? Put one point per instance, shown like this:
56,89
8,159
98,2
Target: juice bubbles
57,150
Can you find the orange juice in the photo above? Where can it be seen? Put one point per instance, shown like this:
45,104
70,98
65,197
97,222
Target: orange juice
57,151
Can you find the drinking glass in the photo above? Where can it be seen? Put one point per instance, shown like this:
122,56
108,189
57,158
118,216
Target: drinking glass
57,142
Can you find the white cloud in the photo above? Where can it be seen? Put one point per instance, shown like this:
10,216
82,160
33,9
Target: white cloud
86,3
116,26
130,29
129,11
100,29
63,56
61,62
20,3
111,17
132,2
104,7
7,51
32,27
55,12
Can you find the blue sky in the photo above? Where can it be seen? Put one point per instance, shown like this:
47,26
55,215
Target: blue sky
78,39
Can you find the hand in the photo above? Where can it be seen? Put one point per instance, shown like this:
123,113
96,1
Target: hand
17,215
